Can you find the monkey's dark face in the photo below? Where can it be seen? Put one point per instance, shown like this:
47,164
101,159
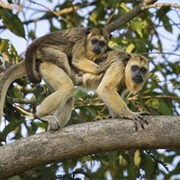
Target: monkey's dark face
96,43
136,72
99,46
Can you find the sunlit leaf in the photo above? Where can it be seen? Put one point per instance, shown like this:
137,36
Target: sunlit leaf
125,7
137,158
154,103
138,26
130,48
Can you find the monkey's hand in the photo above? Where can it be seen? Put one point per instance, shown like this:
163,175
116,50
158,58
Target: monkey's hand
137,118
78,80
103,67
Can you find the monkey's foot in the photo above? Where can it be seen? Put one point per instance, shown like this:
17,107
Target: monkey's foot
53,123
137,118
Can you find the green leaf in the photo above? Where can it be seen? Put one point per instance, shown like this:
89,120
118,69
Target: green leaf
12,22
167,24
154,103
138,26
130,48
165,108
162,17
137,158
126,8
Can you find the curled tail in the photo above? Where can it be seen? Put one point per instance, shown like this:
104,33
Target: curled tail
32,64
15,72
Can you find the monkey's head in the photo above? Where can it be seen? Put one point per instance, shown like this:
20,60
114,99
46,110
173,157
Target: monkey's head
136,72
96,42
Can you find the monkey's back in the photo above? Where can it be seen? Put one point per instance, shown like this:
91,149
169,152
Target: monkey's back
62,41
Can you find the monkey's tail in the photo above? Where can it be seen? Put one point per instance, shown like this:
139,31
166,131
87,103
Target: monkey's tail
15,72
32,64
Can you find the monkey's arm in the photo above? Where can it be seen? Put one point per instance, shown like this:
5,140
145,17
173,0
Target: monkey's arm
81,62
15,72
107,90
85,65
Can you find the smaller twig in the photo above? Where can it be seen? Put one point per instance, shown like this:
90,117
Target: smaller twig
168,53
160,96
110,17
160,5
23,101
31,116
10,6
50,10
135,97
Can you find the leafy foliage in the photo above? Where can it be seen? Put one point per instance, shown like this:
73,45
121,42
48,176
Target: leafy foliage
12,22
160,96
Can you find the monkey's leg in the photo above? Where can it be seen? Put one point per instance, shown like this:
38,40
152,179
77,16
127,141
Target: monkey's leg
56,57
63,87
64,113
108,93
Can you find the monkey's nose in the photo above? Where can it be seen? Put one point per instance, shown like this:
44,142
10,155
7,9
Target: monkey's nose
96,50
137,79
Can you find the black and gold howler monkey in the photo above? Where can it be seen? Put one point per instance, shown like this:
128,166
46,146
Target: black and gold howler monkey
47,58
123,71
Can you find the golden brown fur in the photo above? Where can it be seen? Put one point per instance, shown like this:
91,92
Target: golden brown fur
124,72
109,86
47,58
74,44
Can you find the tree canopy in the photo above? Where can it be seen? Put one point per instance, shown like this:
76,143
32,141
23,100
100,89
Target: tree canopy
148,27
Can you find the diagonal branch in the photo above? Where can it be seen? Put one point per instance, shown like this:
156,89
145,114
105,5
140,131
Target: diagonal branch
88,138
130,15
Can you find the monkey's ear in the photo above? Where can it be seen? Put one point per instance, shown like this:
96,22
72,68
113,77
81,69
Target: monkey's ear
126,59
110,36
88,30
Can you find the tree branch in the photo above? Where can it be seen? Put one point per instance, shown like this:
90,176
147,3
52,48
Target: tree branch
52,14
128,16
161,5
88,138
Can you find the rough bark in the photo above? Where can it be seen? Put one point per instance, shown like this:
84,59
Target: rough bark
84,139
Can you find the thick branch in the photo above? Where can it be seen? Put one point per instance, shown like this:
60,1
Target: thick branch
112,26
130,15
88,138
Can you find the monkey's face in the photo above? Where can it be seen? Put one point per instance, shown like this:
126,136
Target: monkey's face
97,43
139,69
136,72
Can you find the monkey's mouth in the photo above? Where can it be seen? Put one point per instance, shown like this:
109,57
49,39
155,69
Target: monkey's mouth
137,80
96,51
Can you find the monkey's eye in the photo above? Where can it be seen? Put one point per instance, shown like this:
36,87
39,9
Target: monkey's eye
94,41
143,70
102,43
134,68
